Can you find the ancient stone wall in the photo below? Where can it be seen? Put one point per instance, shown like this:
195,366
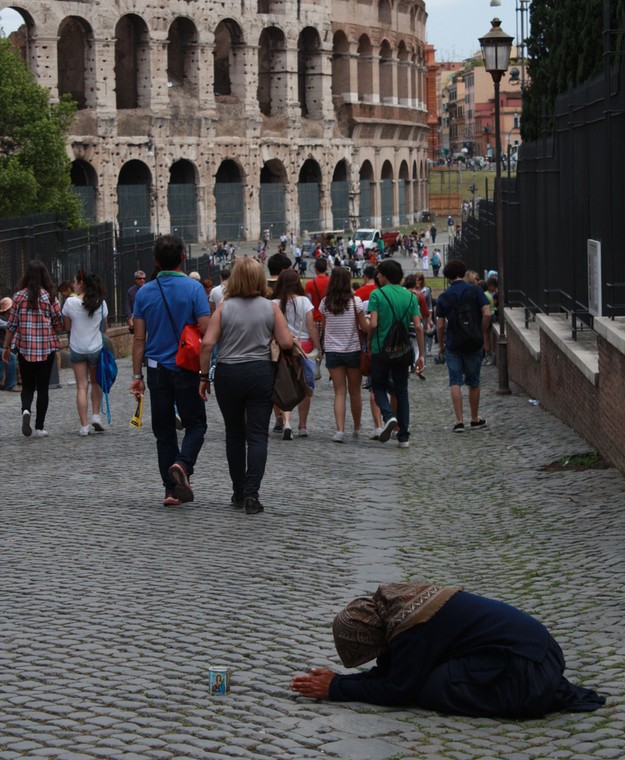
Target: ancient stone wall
169,94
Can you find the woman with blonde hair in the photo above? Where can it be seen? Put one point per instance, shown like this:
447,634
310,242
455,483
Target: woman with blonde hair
343,315
298,310
244,324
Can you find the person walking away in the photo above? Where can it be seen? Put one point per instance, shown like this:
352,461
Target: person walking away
8,370
368,285
298,311
244,324
217,293
388,304
131,295
343,314
436,262
171,387
462,307
85,318
316,290
32,329
433,232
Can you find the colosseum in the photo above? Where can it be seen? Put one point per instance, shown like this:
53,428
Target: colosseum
218,120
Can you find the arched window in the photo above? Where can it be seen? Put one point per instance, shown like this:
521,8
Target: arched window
341,85
340,196
309,73
386,73
230,210
85,183
272,87
132,63
387,199
403,71
182,200
182,58
366,195
365,69
384,12
133,199
76,64
229,78
272,198
309,195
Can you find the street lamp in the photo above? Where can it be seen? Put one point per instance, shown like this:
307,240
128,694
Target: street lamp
496,47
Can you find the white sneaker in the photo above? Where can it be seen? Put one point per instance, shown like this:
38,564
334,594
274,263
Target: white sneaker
302,433
338,437
84,430
40,433
403,444
97,423
355,433
387,429
374,435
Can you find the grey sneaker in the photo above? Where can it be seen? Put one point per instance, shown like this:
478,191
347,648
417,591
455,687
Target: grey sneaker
26,428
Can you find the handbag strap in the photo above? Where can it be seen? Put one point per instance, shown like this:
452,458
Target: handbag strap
171,319
102,322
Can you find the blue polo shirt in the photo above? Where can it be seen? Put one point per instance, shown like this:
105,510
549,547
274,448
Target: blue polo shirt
187,302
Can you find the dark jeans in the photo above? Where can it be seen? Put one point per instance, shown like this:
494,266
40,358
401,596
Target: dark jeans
380,372
244,394
36,377
169,391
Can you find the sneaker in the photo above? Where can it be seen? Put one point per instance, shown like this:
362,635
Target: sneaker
338,437
170,500
394,434
355,433
26,429
302,433
479,423
179,425
237,500
277,428
84,430
253,506
458,427
403,444
40,434
178,473
97,423
287,433
387,429
374,435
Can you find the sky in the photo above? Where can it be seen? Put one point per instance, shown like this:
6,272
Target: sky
454,26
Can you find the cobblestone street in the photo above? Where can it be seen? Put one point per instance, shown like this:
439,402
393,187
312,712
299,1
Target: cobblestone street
112,607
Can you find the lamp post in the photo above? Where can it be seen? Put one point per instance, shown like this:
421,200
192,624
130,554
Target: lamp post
496,47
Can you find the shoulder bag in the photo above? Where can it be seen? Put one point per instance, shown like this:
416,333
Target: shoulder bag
106,371
365,354
189,340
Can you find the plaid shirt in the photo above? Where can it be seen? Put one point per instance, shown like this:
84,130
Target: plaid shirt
35,330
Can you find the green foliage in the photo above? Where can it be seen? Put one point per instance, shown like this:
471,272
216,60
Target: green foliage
565,49
34,167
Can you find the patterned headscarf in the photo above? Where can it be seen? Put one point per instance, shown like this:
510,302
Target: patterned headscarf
364,629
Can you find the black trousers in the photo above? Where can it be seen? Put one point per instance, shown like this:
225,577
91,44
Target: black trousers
36,377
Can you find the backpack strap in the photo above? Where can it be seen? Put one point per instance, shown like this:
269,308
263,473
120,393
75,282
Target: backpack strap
377,335
171,319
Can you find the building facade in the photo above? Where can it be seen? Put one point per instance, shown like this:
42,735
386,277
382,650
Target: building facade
218,120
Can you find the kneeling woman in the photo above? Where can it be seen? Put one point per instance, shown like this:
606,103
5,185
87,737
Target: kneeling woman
447,650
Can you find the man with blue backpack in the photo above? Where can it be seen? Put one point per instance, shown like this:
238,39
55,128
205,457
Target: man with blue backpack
463,318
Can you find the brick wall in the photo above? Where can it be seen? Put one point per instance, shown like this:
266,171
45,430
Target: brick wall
611,418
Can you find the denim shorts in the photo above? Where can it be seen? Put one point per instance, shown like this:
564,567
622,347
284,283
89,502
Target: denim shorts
91,359
464,368
336,359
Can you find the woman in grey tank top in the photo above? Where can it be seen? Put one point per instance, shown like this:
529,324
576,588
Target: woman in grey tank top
244,323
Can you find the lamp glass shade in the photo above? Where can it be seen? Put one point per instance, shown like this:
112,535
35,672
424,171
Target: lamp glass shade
496,48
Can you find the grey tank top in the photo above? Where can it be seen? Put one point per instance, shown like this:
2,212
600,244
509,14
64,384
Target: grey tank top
247,326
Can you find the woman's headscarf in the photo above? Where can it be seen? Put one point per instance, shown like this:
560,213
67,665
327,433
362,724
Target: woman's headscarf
364,629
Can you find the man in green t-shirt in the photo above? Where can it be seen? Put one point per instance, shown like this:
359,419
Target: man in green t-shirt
391,302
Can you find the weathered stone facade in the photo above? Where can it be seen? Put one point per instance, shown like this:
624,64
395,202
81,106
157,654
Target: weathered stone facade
221,119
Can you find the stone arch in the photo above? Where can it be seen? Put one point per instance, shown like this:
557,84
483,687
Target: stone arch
365,68
182,56
22,38
341,84
84,179
182,202
415,187
132,62
309,196
229,60
273,180
385,13
309,73
403,192
386,73
76,61
229,202
133,199
272,68
387,195
403,71
339,193
367,188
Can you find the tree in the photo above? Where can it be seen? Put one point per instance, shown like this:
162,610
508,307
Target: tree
565,49
34,167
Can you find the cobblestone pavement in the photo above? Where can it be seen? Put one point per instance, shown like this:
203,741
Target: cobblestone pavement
114,607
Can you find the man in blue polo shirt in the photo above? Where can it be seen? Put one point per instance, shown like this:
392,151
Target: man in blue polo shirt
161,310
462,367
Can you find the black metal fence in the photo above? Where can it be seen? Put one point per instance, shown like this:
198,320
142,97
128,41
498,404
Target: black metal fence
93,248
569,189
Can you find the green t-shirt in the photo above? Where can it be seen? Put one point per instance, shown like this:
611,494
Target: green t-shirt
404,303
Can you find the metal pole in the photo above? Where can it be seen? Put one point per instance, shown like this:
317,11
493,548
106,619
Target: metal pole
502,343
